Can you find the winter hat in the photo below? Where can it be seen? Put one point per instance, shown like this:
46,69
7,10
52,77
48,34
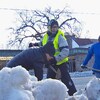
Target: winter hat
30,45
53,22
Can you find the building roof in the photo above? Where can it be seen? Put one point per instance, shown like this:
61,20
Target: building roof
83,41
9,53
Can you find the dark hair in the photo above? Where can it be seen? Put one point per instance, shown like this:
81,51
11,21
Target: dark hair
99,39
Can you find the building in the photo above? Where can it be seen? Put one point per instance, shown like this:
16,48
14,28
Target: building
6,55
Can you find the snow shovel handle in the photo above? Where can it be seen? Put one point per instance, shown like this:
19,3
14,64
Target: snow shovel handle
53,69
93,69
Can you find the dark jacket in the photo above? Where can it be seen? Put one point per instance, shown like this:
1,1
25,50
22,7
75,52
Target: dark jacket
29,57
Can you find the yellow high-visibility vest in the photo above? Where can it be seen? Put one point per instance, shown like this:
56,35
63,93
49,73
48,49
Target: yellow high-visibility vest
55,42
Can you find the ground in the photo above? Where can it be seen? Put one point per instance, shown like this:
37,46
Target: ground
80,79
80,82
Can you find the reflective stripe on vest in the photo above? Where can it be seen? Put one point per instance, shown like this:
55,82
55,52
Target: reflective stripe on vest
55,42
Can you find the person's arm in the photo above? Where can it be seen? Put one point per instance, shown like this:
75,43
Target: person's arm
88,57
64,50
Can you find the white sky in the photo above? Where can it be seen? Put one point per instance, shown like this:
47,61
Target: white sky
88,11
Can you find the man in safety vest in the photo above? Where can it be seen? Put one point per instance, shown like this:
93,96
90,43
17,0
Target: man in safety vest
60,59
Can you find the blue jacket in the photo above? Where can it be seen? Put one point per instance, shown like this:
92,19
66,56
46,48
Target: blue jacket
94,50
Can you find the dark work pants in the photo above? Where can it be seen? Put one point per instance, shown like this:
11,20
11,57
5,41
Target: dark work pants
65,77
38,70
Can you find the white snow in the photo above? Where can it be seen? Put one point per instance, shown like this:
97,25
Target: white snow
50,89
93,87
81,74
17,84
12,83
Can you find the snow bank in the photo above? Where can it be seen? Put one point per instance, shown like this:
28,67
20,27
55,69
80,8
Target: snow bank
17,84
91,92
12,83
50,89
93,89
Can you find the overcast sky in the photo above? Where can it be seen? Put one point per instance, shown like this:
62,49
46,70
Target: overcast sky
87,11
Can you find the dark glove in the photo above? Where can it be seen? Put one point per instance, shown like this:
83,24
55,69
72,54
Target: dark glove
83,66
53,61
30,45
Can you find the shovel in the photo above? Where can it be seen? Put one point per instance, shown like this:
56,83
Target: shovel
93,69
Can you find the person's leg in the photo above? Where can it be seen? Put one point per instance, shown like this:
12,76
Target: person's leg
66,79
51,73
38,70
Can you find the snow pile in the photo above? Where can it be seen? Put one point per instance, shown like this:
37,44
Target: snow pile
93,89
4,83
12,83
79,95
50,89
17,84
91,92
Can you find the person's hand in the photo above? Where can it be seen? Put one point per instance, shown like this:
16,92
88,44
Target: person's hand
51,59
83,66
48,57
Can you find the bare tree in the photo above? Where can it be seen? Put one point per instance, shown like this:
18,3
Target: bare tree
33,24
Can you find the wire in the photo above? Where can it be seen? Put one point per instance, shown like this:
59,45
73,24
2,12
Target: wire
81,13
14,9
